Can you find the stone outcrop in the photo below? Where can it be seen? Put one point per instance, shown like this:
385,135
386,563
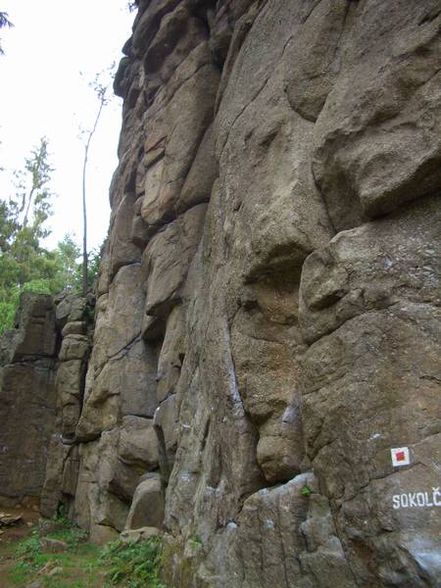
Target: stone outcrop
27,398
292,320
268,310
271,278
74,317
43,363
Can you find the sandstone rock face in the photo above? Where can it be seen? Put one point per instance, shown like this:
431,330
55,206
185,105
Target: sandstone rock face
74,317
27,398
265,374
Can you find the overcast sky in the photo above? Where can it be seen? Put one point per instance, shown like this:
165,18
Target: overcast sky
43,94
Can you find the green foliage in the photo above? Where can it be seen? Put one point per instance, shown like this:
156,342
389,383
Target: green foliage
82,565
195,541
67,269
31,204
29,550
94,258
64,530
71,535
80,558
134,565
306,491
25,265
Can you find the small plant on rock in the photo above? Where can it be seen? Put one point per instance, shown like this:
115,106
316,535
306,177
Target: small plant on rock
306,490
195,541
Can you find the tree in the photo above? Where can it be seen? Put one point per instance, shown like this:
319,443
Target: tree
55,271
22,227
25,265
4,22
67,254
28,211
23,217
101,92
33,193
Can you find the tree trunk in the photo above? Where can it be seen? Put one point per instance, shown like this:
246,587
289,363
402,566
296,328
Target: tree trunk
86,155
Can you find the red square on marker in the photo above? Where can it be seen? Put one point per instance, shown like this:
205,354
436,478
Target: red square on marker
400,456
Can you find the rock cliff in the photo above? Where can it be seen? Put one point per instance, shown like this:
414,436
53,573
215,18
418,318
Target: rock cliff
265,374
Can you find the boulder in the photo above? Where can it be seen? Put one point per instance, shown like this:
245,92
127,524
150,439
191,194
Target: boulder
74,328
49,545
74,347
147,509
137,443
70,308
142,534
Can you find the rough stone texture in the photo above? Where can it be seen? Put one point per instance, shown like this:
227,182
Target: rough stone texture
36,334
60,480
147,509
95,505
141,534
377,138
138,443
269,297
70,309
74,316
121,377
44,362
27,398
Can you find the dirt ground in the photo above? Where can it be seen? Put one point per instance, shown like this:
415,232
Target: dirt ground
9,535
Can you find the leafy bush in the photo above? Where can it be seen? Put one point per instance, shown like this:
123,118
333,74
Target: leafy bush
133,565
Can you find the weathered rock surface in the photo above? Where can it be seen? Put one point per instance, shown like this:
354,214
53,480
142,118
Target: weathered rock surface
147,509
74,318
27,398
269,297
268,309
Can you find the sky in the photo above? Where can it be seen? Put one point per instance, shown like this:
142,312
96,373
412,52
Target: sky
54,50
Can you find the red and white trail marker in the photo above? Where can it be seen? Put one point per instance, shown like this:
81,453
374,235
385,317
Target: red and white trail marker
400,456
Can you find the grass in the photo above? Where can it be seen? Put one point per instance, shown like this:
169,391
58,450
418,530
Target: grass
133,565
76,567
73,569
82,564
